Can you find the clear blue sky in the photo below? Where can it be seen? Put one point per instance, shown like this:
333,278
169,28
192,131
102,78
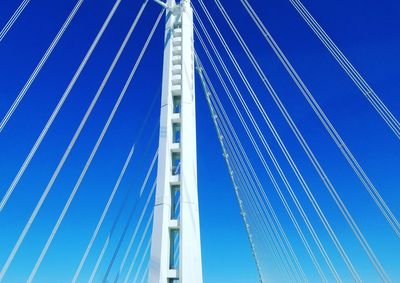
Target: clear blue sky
368,33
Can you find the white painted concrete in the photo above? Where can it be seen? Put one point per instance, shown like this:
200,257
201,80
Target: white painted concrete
178,80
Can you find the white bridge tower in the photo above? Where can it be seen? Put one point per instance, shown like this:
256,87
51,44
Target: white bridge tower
175,248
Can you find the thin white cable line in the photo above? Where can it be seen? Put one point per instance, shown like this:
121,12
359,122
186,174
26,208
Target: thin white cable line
39,66
116,187
145,273
259,224
252,210
259,231
270,153
374,193
105,278
111,233
248,179
137,249
132,240
256,212
69,149
57,109
336,137
104,248
242,151
348,70
226,121
33,151
278,236
226,157
265,246
95,233
13,18
351,71
252,194
230,129
93,153
146,252
104,213
268,170
294,128
285,151
263,219
130,245
98,261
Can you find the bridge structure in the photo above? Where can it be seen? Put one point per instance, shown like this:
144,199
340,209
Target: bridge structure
290,219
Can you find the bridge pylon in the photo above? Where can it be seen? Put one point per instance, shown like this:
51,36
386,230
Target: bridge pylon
175,247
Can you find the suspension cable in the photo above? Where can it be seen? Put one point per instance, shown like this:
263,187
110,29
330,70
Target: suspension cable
39,66
95,233
104,213
93,153
246,182
295,130
145,273
261,206
260,231
66,154
230,134
351,71
273,158
13,18
268,170
224,116
122,237
231,129
357,232
146,229
254,210
131,214
57,109
227,160
145,254
374,193
260,223
130,245
338,140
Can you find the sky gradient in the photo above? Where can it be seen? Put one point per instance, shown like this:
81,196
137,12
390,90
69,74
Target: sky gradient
366,31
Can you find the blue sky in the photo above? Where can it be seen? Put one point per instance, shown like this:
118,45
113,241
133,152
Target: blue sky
366,31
